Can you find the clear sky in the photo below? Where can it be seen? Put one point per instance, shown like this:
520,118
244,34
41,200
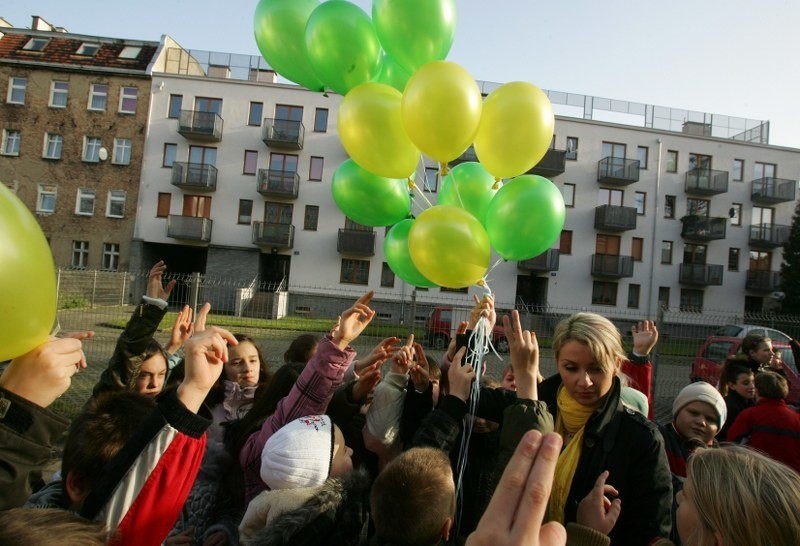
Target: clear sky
732,57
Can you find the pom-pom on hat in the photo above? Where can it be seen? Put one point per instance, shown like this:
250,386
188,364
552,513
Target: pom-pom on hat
299,454
701,392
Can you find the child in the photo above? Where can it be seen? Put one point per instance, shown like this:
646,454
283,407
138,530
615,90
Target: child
737,385
49,527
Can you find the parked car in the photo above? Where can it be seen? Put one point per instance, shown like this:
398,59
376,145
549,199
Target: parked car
442,323
743,330
712,354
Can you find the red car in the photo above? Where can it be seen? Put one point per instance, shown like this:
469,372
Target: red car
443,321
708,362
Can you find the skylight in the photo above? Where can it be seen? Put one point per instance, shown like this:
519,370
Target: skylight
36,44
130,52
88,49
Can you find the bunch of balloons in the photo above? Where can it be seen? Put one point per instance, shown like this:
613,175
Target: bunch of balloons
402,99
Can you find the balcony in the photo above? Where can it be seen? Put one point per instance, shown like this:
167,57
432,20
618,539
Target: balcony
273,235
703,228
190,228
552,164
772,190
614,218
612,266
277,183
353,241
617,171
543,263
706,182
205,126
701,274
468,155
763,281
283,133
769,235
194,176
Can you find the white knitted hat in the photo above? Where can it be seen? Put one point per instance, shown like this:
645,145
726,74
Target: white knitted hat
701,392
299,454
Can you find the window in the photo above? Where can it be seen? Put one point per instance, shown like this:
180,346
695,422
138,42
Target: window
53,144
700,162
431,182
278,213
614,149
568,192
666,252
738,170
609,197
84,204
572,148
245,211
641,154
16,90
633,295
764,170
98,93
351,225
387,276
170,151
315,168
164,203
11,140
733,259
663,297
88,49
206,104
80,253
464,290
311,218
91,149
669,206
565,242
129,52
604,293
36,44
46,198
58,94
196,206
697,207
694,254
607,244
288,121
321,120
128,97
283,164
672,161
637,248
639,200
175,105
354,271
691,300
116,204
759,260
250,162
122,151
256,114
110,256
735,214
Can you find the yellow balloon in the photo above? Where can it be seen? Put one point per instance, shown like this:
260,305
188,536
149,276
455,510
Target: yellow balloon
516,129
371,131
449,246
442,110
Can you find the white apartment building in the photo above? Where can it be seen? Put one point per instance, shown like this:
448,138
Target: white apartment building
665,206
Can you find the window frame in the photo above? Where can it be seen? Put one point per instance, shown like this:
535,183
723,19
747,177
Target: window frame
355,277
636,195
571,155
250,154
674,169
319,127
636,289
110,257
670,245
12,88
169,146
251,122
95,158
387,276
686,294
308,225
174,101
116,197
11,136
738,253
88,49
316,159
643,165
565,242
736,217
741,164
120,147
130,52
95,93
53,93
240,214
85,194
603,286
36,44
569,203
43,190
123,97
164,198
637,254
80,250
673,202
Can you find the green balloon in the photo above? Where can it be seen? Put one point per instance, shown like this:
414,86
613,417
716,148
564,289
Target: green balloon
395,249
370,199
342,45
392,74
525,218
280,32
468,186
415,32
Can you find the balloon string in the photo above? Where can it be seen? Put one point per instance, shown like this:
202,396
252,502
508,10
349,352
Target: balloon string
443,169
421,193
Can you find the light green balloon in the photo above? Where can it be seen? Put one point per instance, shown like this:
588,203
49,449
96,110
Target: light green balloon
468,186
392,74
395,249
370,199
525,218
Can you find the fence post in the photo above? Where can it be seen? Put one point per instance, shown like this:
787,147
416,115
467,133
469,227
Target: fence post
94,286
194,291
122,294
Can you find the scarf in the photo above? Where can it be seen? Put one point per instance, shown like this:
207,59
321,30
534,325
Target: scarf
571,421
235,398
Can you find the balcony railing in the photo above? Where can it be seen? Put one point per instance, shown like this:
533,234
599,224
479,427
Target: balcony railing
769,235
276,183
770,190
612,266
283,133
763,281
544,262
552,164
614,218
468,155
701,274
353,241
706,182
617,171
194,176
196,125
273,235
191,228
703,228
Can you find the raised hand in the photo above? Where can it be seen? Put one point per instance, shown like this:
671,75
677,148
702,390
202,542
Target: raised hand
645,337
404,358
181,330
379,354
201,318
366,383
483,307
460,377
353,321
204,354
155,288
596,510
451,348
524,349
420,370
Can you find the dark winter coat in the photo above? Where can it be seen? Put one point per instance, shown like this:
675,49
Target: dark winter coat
736,404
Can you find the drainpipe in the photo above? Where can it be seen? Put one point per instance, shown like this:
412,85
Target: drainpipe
651,311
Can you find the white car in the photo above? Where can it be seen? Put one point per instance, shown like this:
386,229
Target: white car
744,330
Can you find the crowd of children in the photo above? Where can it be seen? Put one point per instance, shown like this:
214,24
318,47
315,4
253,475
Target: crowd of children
198,443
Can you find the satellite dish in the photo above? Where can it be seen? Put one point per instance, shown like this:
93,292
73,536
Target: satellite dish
102,154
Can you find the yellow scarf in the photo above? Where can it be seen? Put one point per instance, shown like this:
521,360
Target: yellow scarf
571,421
